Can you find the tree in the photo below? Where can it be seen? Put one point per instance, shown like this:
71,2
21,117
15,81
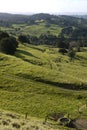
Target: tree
23,39
48,39
3,35
34,40
67,31
8,45
62,42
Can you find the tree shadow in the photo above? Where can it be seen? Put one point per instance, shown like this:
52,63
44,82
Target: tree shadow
19,52
24,58
35,47
81,57
84,49
71,86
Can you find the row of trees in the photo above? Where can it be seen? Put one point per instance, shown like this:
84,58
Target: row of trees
48,39
69,38
61,41
8,44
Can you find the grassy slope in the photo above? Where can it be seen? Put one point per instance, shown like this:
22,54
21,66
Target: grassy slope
24,85
35,29
41,28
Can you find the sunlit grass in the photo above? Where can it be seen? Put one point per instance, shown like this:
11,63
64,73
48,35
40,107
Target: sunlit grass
33,80
36,29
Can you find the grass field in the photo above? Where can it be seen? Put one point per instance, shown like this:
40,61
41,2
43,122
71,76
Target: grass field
39,80
36,29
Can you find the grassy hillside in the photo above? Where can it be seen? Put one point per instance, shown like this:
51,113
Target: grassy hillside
40,23
38,80
35,29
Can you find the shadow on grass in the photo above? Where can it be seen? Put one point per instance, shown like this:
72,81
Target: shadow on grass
25,53
36,48
81,57
71,86
84,49
23,57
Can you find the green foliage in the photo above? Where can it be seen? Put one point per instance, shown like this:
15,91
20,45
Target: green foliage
8,45
23,39
48,39
3,35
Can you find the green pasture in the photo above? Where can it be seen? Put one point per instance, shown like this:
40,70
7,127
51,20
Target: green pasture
39,80
35,29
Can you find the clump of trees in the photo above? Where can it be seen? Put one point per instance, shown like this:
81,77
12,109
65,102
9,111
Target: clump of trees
3,35
8,44
46,38
24,38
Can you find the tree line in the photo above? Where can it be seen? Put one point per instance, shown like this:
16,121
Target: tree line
67,38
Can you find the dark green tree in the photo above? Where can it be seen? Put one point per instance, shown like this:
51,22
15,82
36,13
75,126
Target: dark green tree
3,35
62,42
34,40
23,39
8,45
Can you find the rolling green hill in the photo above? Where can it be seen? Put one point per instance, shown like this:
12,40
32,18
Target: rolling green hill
61,26
39,23
37,82
34,30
